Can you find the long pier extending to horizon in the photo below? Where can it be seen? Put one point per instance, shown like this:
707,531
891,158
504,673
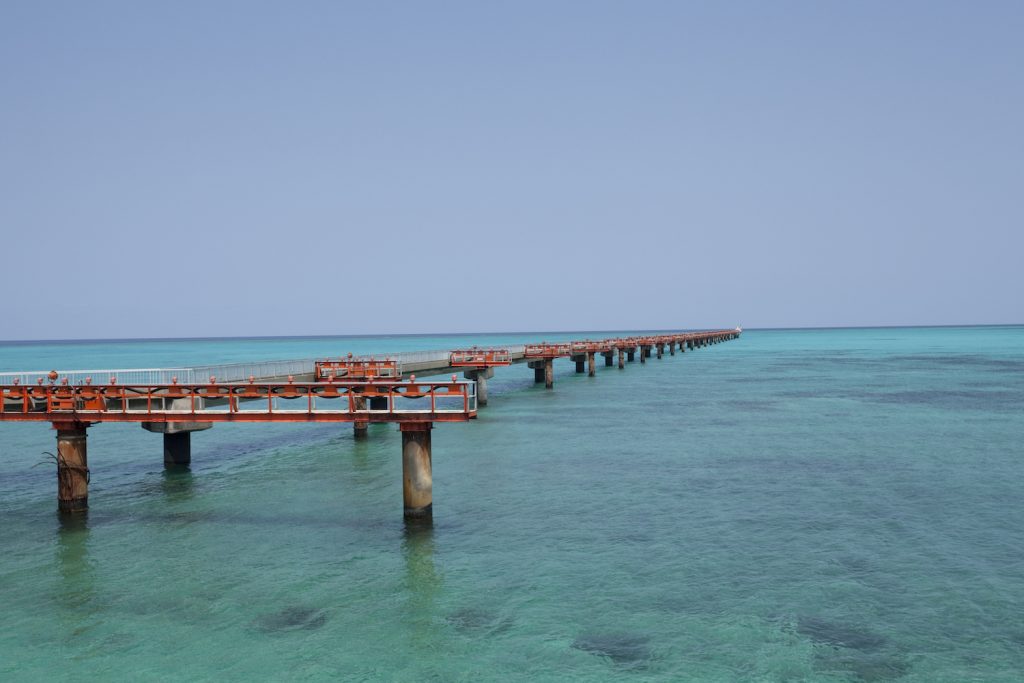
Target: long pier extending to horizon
359,390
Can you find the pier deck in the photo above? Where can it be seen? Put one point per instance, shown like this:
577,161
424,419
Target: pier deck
178,401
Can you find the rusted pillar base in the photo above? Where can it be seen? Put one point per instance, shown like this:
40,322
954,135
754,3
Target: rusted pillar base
591,368
177,449
417,478
72,467
549,373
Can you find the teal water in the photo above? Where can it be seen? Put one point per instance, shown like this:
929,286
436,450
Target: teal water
821,505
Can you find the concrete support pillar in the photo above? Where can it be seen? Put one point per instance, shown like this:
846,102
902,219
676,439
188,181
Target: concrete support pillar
672,348
647,351
549,373
622,359
609,358
417,478
661,350
480,376
177,449
644,352
72,468
538,375
481,389
631,355
359,427
591,368
579,367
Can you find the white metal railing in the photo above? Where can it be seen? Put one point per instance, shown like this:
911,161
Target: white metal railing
224,372
124,376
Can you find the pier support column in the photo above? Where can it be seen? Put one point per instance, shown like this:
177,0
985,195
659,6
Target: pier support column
177,436
549,373
72,467
480,376
360,427
591,368
631,355
661,350
538,374
672,348
580,361
609,358
417,478
647,351
644,352
177,449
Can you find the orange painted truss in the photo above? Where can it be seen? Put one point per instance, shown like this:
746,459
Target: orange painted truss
480,358
253,402
349,369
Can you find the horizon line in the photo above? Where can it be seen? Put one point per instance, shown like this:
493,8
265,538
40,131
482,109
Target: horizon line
476,334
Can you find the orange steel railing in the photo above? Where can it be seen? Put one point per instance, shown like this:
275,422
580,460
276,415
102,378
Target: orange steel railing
545,350
452,401
588,346
480,358
349,369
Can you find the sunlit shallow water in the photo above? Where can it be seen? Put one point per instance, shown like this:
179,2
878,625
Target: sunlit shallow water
837,505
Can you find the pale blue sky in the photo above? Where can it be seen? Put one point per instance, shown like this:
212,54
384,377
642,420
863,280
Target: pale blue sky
237,168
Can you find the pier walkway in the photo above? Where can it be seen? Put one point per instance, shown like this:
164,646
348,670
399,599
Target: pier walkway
359,390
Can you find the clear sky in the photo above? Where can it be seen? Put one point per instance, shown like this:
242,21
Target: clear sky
247,168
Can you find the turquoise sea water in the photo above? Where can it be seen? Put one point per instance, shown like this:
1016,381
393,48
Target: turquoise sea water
833,505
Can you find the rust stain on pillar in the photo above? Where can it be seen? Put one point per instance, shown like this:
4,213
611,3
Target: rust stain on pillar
591,369
549,373
359,427
72,468
417,475
622,359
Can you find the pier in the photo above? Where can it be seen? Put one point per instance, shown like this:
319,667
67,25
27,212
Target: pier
178,401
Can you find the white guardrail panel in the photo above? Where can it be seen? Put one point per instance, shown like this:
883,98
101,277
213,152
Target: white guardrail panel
224,372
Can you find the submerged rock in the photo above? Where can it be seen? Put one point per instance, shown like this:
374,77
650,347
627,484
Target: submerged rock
839,635
293,618
867,668
623,648
472,620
